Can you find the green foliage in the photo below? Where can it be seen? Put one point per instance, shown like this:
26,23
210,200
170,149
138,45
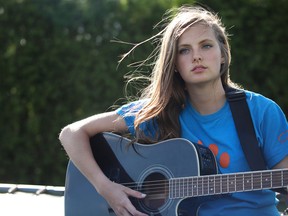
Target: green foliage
258,39
58,65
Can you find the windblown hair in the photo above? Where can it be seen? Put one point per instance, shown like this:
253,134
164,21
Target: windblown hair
166,92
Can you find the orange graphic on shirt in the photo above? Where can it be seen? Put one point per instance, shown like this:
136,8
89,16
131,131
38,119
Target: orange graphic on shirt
214,149
283,137
224,158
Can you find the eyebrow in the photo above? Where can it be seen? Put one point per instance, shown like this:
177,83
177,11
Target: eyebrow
201,42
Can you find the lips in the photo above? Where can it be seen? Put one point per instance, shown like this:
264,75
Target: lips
199,68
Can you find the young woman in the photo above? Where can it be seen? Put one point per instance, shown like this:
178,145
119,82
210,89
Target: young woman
186,98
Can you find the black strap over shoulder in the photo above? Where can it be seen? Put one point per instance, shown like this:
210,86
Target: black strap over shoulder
246,131
245,128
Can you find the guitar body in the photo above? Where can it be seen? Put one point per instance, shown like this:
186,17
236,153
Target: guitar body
137,167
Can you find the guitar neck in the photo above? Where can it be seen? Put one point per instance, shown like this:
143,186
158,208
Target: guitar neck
227,183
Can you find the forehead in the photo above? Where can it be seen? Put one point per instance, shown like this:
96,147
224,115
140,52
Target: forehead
197,33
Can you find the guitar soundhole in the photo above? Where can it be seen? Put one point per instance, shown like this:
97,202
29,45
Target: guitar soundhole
156,187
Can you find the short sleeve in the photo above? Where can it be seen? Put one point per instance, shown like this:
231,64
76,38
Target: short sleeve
274,131
128,112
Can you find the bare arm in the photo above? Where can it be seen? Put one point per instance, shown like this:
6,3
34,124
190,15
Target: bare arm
282,164
75,140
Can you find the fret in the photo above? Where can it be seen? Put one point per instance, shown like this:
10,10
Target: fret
266,180
200,186
186,194
232,183
225,184
176,188
282,179
190,187
239,182
285,178
195,187
276,177
205,185
185,188
218,184
257,183
181,187
171,188
248,184
211,185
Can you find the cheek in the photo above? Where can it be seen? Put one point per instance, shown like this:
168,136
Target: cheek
181,62
215,54
216,58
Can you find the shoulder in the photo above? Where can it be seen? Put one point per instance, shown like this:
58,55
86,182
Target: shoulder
261,105
258,100
131,108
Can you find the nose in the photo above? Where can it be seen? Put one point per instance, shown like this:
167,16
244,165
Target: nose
196,56
197,59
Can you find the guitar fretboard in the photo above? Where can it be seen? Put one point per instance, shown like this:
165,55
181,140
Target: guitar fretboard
227,183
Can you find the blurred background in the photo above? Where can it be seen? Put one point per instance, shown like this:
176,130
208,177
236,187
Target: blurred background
58,64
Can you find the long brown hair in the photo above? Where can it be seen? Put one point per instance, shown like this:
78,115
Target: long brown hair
166,92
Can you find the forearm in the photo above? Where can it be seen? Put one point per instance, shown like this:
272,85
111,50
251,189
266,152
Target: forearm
77,146
282,164
75,139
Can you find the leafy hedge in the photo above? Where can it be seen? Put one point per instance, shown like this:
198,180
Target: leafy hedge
259,43
58,65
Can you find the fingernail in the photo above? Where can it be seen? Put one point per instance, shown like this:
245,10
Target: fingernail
143,195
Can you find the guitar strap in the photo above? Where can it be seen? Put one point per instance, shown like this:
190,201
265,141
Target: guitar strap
245,129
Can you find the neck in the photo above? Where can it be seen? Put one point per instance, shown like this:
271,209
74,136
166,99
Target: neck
207,99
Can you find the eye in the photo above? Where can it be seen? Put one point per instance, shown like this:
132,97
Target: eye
184,51
207,46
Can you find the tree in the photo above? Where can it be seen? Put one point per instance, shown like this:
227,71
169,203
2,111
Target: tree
58,65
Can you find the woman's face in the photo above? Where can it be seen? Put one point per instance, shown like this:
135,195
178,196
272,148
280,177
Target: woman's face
198,56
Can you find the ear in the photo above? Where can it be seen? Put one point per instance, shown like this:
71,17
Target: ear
175,69
222,60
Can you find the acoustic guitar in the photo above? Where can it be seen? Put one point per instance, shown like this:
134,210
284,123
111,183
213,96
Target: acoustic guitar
170,172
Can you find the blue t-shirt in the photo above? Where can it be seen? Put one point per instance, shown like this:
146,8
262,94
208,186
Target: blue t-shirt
217,132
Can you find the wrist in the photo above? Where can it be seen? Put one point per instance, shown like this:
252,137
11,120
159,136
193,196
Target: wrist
101,183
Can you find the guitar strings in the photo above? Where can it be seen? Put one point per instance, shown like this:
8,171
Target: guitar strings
205,185
228,177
